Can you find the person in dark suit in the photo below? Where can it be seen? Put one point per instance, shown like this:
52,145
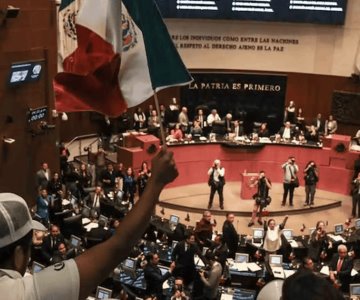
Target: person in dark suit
183,256
220,250
153,276
99,233
93,199
230,236
43,176
319,124
51,243
342,264
62,253
108,177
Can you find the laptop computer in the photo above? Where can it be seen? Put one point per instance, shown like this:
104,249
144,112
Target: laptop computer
275,263
129,267
258,235
75,241
311,230
36,267
105,219
241,257
354,290
103,293
173,221
288,234
338,229
357,224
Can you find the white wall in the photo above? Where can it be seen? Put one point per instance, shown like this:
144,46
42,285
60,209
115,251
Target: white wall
318,49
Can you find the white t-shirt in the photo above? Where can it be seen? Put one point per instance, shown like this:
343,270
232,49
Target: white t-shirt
60,281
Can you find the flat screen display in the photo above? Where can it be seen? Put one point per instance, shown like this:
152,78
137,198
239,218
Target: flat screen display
275,259
24,72
103,293
299,11
357,224
339,228
174,220
241,257
75,241
258,233
288,234
354,289
129,263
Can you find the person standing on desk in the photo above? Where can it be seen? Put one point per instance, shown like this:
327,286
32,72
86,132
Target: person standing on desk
272,235
216,182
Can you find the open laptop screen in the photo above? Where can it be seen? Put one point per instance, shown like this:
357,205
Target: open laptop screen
357,224
258,233
75,241
37,267
339,228
355,289
129,263
288,234
103,293
241,257
275,259
174,220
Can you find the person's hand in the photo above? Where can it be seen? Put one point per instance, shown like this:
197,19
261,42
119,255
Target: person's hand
164,168
172,266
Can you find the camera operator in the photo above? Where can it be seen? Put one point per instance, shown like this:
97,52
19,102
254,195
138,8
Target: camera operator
291,181
311,178
261,197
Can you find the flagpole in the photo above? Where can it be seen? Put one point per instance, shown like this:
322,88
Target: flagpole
162,131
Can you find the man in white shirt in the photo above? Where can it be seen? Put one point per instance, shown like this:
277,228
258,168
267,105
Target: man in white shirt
72,279
216,182
213,117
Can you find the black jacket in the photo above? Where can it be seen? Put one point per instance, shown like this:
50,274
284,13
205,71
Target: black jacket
154,280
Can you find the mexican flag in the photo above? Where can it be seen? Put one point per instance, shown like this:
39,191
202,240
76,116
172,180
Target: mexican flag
124,53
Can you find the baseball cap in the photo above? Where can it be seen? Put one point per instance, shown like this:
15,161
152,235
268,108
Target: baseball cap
15,219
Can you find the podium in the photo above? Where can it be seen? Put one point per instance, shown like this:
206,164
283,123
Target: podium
246,192
137,148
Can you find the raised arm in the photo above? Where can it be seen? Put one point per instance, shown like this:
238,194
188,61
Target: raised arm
282,225
97,263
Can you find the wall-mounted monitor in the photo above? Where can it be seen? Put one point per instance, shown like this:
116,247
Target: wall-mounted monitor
298,11
21,72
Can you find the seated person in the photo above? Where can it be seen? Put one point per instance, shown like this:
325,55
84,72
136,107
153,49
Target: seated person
330,125
63,253
286,132
175,134
312,135
228,123
50,244
196,130
263,131
238,129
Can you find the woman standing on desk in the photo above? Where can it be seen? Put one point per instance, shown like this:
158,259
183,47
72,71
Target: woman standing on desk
272,236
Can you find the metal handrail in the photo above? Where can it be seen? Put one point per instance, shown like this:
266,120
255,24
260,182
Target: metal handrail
80,137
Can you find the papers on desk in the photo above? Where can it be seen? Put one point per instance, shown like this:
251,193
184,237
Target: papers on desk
325,270
90,226
244,267
289,273
65,202
253,267
166,285
278,272
226,296
85,221
353,272
198,262
294,244
336,238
